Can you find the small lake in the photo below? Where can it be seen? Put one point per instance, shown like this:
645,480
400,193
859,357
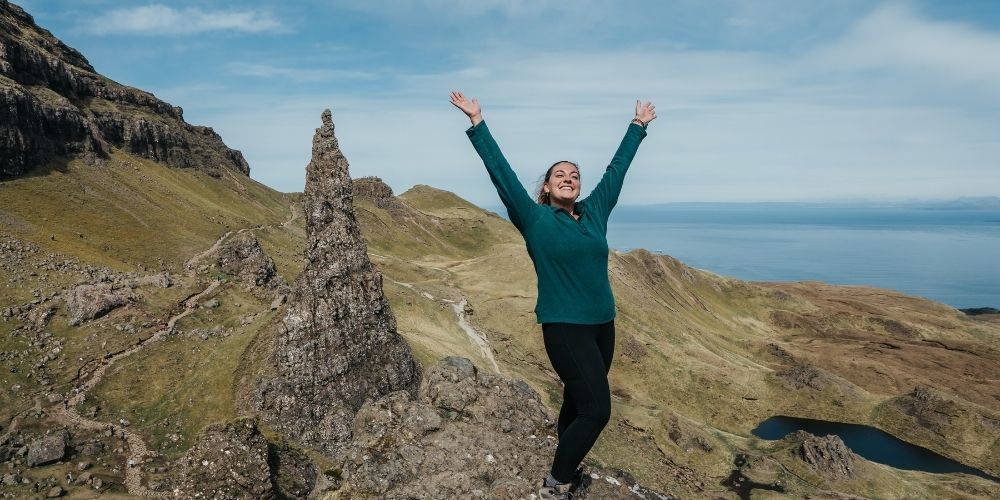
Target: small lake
869,443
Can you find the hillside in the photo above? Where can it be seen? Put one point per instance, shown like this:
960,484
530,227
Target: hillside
160,337
54,104
700,358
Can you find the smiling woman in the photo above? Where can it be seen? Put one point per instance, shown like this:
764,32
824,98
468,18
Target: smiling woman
567,242
562,179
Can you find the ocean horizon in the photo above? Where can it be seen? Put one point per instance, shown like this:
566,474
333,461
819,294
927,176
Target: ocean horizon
945,251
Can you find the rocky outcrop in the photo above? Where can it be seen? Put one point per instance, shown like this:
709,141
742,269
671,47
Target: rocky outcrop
53,103
374,189
928,409
804,375
467,434
467,430
827,455
243,257
346,384
228,461
47,449
949,425
86,302
337,346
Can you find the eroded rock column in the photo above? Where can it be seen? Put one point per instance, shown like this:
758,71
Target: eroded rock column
337,346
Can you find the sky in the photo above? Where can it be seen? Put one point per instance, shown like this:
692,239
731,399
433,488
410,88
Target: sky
764,100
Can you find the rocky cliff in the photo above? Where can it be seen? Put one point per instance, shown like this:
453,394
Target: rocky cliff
53,103
337,346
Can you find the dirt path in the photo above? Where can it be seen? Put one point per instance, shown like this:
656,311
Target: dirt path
294,215
137,449
189,266
478,339
95,376
67,413
14,422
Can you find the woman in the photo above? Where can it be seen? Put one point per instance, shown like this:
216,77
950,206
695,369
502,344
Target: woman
567,242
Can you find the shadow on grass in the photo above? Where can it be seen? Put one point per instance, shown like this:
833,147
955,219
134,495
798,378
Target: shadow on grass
56,164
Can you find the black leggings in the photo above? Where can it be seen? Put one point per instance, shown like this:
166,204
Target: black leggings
581,355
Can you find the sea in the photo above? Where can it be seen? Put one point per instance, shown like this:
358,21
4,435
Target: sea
948,252
944,253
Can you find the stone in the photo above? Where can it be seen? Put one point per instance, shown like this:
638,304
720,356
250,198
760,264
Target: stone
161,280
242,256
827,455
278,301
47,449
83,478
54,492
804,375
402,447
86,302
337,346
229,460
294,475
928,409
374,189
91,448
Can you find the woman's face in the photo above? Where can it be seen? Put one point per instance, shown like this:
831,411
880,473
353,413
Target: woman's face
563,185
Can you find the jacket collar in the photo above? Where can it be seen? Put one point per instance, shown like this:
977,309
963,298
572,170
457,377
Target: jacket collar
580,207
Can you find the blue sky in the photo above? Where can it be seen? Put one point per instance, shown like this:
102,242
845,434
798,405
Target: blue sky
757,100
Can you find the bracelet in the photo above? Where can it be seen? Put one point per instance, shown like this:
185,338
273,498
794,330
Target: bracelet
640,123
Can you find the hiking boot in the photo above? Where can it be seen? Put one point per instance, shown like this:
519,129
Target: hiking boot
560,491
580,481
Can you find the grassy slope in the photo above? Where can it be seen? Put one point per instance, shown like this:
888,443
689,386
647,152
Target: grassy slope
693,359
693,354
130,215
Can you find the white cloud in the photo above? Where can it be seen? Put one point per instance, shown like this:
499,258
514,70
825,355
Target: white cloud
734,126
895,38
402,9
158,19
297,74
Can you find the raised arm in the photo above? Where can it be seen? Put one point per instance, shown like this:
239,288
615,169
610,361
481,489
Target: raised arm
520,207
604,197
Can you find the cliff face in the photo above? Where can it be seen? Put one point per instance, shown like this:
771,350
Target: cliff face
337,346
53,103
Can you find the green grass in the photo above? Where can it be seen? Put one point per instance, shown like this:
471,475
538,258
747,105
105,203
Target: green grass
192,383
130,212
704,336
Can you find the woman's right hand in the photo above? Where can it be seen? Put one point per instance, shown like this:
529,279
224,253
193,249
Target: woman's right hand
470,108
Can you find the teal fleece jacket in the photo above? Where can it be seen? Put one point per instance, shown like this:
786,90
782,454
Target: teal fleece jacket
570,255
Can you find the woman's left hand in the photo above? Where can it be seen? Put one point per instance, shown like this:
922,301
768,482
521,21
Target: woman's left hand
645,112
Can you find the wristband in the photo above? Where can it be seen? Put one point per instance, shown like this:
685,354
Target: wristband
640,123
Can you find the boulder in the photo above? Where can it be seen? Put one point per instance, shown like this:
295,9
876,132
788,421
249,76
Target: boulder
827,455
242,256
47,449
86,302
374,189
467,434
229,461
